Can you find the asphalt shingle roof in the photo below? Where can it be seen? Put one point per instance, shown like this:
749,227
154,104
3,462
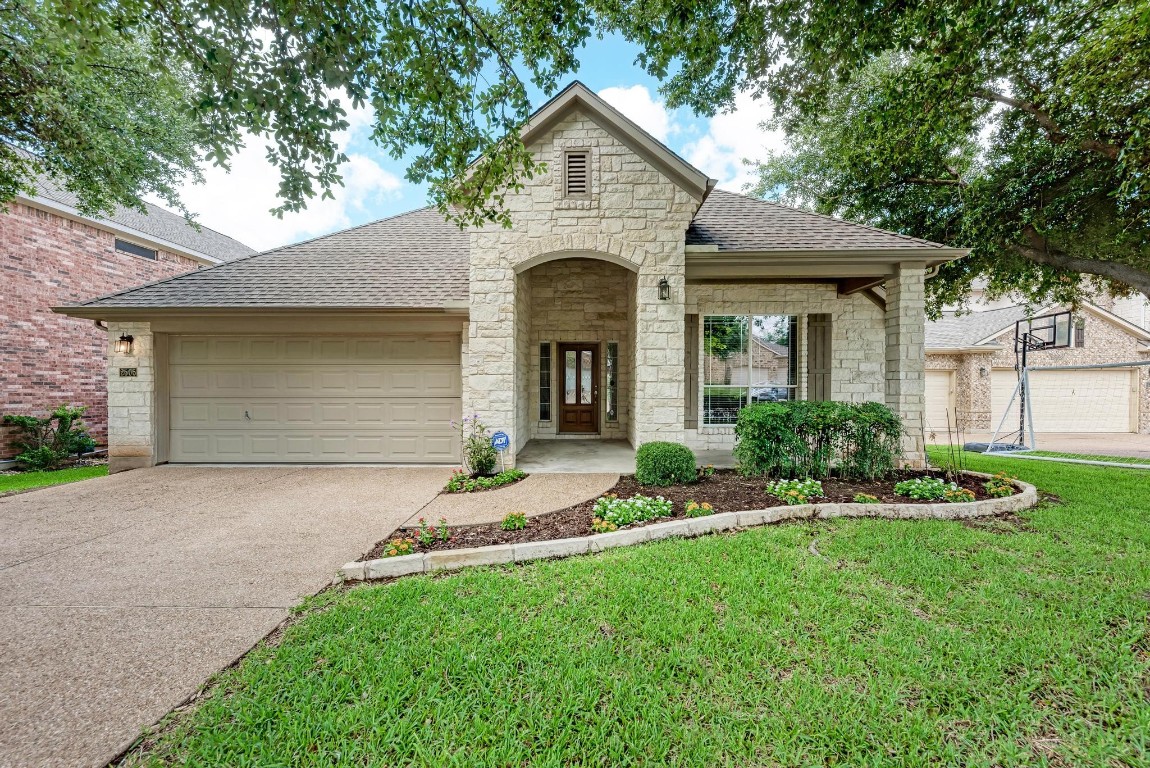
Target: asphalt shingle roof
736,222
158,223
413,260
419,260
952,331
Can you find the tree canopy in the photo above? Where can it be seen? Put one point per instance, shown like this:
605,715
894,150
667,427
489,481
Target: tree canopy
1019,128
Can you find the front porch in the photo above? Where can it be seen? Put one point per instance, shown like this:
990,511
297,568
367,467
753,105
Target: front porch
551,456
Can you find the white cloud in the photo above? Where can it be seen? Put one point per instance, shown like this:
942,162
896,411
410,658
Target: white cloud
238,202
731,138
637,103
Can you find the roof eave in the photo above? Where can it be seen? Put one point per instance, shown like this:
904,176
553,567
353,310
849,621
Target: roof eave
852,262
968,350
144,238
144,313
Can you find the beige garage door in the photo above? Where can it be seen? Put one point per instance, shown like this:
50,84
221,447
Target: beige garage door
939,401
321,399
1088,400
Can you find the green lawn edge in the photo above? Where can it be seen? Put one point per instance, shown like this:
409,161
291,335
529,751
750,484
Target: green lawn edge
28,480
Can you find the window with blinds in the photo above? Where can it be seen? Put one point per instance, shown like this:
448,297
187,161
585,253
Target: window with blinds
577,174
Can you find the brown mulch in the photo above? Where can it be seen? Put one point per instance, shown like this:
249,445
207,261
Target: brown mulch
726,490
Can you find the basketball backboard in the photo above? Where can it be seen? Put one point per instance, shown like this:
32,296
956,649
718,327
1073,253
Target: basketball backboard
1051,331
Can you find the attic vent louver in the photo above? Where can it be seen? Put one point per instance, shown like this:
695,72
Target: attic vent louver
577,174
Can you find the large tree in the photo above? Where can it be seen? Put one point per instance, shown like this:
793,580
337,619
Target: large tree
1018,128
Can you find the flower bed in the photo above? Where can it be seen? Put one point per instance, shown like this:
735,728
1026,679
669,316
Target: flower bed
723,490
461,482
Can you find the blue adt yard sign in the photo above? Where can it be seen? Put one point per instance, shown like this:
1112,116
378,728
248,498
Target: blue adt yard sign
500,441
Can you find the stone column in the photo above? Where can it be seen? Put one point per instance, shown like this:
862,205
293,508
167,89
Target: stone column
905,356
489,383
659,377
131,399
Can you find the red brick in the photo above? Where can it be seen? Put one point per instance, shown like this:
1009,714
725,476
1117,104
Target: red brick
47,260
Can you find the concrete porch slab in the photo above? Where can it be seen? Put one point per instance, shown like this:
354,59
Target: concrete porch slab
599,456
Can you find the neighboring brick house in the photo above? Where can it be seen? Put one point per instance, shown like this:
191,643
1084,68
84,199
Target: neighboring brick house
50,254
971,374
588,317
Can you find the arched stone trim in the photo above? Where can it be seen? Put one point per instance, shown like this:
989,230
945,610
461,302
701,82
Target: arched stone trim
579,246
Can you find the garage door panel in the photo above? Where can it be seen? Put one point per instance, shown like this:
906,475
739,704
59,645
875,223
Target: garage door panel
1087,400
412,348
301,381
434,416
400,446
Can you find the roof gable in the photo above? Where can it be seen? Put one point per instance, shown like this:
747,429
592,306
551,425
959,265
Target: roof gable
577,97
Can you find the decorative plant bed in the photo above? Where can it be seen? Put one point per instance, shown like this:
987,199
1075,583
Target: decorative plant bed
555,534
461,482
725,491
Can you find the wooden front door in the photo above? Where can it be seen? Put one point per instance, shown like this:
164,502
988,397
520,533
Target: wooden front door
579,372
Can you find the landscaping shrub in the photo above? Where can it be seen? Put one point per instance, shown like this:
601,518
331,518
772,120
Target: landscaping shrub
479,456
513,521
795,491
1000,486
866,498
44,442
622,512
664,464
400,546
927,489
958,495
461,482
695,509
429,534
808,438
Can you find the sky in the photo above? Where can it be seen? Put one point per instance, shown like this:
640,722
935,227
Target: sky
237,203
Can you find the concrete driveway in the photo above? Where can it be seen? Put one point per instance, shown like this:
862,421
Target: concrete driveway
120,596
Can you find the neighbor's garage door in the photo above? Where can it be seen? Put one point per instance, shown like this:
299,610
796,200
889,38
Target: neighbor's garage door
320,399
939,401
1089,400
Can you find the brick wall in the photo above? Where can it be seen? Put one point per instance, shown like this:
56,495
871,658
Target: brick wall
47,260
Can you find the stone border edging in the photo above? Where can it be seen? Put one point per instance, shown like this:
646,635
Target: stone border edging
500,554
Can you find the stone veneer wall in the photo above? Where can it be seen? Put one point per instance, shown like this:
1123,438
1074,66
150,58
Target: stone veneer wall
858,338
635,215
132,407
580,300
905,356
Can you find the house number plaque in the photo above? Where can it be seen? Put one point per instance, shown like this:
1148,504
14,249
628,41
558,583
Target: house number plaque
127,372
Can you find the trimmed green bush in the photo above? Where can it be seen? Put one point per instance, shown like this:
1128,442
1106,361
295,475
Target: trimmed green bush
810,438
664,464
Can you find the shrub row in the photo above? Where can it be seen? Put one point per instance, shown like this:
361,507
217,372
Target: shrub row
808,438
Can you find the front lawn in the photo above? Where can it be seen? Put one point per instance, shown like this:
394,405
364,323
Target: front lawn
851,642
22,481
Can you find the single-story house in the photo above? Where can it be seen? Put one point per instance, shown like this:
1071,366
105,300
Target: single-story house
971,373
590,317
52,254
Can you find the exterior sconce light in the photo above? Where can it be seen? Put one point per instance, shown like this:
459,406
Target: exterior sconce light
983,373
664,290
124,344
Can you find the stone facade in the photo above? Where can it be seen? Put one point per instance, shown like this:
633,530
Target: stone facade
1104,342
905,352
48,260
134,413
635,217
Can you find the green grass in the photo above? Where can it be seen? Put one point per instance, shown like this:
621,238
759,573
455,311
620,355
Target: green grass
26,480
892,643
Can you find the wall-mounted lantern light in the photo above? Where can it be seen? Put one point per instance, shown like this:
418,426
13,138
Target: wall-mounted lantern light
983,373
664,290
124,344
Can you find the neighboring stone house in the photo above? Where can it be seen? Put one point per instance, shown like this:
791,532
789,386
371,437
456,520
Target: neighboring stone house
50,254
587,318
971,373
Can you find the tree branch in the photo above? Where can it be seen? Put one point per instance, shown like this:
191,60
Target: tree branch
935,182
1043,118
1038,251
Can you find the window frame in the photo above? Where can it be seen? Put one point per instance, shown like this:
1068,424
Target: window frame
792,322
546,373
134,249
611,391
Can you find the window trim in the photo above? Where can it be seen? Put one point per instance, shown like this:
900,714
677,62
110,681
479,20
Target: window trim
792,365
611,391
135,249
546,373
